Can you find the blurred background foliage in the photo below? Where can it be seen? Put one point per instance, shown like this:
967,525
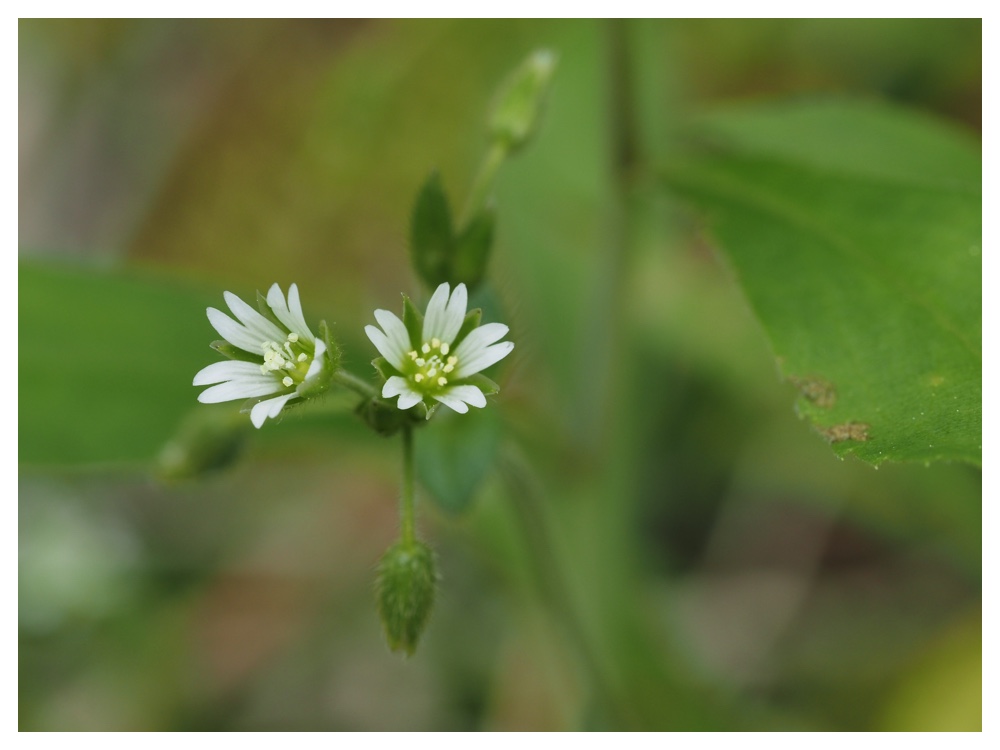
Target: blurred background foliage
638,534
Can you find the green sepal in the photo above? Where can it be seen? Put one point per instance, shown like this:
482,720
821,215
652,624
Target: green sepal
404,593
320,383
429,410
472,248
483,383
472,320
234,352
267,312
384,368
413,319
333,353
383,416
432,237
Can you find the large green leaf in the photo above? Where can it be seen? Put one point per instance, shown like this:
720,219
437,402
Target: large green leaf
455,453
109,364
854,231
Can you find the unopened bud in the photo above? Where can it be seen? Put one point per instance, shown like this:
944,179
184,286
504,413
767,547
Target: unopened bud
209,439
519,102
404,593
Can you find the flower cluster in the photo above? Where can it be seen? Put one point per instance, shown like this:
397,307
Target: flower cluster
436,359
274,358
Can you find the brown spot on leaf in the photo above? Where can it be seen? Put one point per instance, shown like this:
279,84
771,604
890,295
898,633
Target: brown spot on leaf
816,390
847,431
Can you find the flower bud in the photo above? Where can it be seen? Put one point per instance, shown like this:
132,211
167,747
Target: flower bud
208,440
518,105
404,593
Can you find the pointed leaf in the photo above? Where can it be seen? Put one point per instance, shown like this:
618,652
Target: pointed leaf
432,241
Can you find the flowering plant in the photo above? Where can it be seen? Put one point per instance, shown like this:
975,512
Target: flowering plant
436,358
274,358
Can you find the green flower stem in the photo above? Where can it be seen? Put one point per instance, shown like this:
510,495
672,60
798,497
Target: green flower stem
406,499
483,182
356,384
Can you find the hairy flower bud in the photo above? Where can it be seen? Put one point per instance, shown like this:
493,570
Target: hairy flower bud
518,105
404,593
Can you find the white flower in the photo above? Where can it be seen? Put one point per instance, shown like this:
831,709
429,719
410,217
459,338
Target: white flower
269,355
440,360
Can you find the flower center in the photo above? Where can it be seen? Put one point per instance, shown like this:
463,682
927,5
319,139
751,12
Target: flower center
288,361
431,365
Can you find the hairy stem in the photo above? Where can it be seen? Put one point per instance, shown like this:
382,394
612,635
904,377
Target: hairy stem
406,498
356,384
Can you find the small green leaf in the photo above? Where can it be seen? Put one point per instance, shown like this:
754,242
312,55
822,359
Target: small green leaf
472,251
455,454
864,271
432,237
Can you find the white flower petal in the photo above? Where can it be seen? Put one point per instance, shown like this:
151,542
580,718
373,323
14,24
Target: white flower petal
452,402
434,318
395,331
295,308
395,386
253,320
385,348
233,332
291,320
317,364
270,408
408,400
237,389
454,314
483,359
218,372
470,394
480,338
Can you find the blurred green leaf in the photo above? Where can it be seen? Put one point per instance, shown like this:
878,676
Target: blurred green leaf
432,240
855,233
472,248
112,358
454,454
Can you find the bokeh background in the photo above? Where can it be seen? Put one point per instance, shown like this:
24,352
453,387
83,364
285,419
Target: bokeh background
664,548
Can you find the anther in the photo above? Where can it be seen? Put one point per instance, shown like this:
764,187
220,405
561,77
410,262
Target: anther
442,381
448,368
293,337
412,355
421,361
303,357
418,377
436,343
425,348
286,381
445,348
